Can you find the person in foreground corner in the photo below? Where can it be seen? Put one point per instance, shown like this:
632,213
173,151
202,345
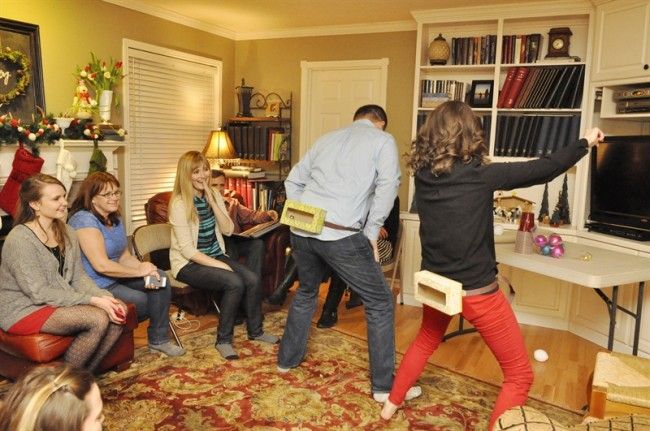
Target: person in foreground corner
454,187
44,287
353,174
53,397
95,216
199,217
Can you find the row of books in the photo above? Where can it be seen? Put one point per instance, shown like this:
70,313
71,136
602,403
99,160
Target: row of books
535,136
258,142
474,50
257,195
520,48
437,88
549,87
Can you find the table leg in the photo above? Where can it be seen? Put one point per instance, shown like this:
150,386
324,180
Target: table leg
637,318
612,318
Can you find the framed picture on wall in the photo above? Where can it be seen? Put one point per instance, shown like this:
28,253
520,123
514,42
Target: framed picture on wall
481,94
21,70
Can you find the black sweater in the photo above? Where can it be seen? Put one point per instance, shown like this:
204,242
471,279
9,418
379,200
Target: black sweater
456,220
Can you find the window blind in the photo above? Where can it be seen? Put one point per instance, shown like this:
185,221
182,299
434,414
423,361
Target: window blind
171,105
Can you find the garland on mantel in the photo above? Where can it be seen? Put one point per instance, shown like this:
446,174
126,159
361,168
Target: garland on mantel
43,130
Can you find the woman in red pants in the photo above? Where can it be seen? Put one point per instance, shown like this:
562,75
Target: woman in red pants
454,188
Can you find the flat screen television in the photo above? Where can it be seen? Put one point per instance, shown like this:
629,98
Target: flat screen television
620,187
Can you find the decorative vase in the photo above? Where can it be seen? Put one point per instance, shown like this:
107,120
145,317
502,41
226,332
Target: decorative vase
438,51
244,94
105,101
64,123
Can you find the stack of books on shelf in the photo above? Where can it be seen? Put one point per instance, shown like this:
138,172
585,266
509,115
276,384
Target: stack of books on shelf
520,48
256,195
244,172
434,92
535,135
544,87
474,50
257,142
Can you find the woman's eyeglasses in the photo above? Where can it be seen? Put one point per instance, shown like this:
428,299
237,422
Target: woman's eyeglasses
108,195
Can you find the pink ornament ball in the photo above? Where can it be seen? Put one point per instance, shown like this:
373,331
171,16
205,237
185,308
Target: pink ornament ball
554,239
557,251
546,250
540,241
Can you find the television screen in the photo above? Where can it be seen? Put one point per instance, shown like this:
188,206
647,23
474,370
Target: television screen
620,182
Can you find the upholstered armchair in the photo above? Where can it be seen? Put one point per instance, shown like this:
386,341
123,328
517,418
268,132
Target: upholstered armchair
19,353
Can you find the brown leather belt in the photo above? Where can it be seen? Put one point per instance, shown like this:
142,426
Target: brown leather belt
485,290
339,227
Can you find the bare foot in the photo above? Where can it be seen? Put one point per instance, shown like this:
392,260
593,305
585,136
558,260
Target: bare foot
389,410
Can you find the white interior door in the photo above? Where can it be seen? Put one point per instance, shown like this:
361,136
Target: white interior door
331,91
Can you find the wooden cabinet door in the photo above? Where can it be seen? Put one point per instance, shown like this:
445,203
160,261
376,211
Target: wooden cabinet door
622,40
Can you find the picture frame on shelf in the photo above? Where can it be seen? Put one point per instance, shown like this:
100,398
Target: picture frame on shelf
21,90
480,95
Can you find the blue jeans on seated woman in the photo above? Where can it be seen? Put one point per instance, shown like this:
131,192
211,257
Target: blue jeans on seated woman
235,284
151,303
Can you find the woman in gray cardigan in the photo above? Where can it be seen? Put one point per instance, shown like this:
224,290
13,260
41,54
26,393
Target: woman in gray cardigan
44,287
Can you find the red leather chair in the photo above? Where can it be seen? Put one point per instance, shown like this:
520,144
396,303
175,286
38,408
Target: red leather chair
19,353
275,243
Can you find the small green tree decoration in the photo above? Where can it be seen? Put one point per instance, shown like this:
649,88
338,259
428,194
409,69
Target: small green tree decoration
543,211
561,213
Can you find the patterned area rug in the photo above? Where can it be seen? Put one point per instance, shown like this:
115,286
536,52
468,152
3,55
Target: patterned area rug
329,391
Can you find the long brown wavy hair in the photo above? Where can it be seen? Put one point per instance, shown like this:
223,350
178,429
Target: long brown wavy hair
91,187
31,190
451,132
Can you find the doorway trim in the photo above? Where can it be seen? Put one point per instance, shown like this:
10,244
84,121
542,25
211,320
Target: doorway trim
307,72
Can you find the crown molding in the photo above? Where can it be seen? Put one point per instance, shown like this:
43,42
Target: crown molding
174,17
329,30
513,10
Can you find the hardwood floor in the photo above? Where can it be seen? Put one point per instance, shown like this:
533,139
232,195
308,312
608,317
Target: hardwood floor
562,380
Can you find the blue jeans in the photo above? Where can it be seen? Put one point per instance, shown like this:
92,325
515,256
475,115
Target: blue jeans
352,259
235,284
150,303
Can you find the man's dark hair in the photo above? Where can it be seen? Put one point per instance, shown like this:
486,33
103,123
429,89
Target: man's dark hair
376,113
216,173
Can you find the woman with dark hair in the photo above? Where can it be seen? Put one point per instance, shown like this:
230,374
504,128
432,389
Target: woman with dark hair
44,287
454,188
199,217
57,397
95,215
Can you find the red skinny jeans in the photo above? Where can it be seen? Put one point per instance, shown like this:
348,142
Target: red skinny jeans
494,319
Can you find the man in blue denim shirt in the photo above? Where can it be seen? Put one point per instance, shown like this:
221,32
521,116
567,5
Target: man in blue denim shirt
353,174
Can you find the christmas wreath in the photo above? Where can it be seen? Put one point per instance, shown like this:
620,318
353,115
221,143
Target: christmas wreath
23,72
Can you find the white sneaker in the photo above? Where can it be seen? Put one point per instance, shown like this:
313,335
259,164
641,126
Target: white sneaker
414,392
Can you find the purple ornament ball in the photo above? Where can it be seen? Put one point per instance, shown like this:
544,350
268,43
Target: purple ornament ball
554,240
546,250
557,251
540,241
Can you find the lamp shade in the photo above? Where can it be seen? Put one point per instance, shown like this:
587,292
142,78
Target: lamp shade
219,146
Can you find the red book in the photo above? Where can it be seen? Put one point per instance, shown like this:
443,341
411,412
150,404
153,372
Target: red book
231,183
249,194
515,88
507,83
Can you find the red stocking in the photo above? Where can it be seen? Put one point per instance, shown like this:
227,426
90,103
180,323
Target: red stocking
24,165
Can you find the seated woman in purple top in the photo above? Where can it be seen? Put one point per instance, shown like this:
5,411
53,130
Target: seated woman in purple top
95,216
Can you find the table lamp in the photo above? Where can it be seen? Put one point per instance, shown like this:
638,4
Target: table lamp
219,150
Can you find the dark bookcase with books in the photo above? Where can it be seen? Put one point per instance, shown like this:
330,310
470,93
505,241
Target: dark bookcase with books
263,145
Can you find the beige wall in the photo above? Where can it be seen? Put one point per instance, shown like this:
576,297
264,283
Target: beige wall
274,65
71,29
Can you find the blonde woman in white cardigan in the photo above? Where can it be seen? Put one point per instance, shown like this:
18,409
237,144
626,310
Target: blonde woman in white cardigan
199,218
